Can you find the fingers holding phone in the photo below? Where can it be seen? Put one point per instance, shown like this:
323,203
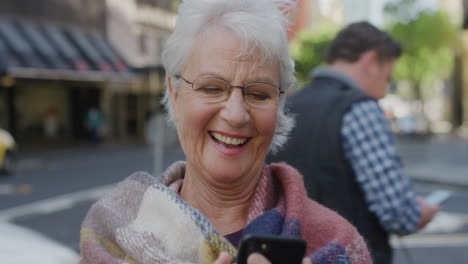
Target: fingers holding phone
431,205
223,258
428,212
256,249
257,258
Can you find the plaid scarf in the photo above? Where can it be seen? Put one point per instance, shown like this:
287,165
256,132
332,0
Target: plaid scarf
144,220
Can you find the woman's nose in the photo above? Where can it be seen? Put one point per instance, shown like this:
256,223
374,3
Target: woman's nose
235,110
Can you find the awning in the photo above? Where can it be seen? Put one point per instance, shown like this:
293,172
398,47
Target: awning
65,48
108,52
3,55
88,50
41,45
6,58
18,45
36,51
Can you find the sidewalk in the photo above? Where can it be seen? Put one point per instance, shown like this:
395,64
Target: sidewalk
437,159
19,246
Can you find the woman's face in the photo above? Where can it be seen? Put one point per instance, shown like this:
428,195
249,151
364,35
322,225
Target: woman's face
225,141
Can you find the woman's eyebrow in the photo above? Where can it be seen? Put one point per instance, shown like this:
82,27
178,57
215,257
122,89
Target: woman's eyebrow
211,74
264,79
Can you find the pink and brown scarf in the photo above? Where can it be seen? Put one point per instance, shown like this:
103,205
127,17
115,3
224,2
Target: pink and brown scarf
144,220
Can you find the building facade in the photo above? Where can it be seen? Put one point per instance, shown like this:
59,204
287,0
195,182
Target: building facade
138,29
60,58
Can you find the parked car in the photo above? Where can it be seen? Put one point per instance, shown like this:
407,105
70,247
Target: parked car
7,152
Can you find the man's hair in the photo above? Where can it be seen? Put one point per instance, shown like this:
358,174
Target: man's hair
358,38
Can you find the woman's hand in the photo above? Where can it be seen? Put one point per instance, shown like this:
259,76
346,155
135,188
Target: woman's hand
257,258
223,258
254,258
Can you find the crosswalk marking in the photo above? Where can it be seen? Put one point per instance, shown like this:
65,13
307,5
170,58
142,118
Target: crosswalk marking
440,232
433,240
54,204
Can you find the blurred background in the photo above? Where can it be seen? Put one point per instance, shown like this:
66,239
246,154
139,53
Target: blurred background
81,81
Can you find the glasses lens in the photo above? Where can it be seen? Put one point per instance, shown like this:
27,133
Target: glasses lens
261,94
211,89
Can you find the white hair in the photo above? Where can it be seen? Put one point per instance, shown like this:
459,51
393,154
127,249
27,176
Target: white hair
261,27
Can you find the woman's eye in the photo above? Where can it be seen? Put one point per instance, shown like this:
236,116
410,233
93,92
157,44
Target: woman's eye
211,90
258,96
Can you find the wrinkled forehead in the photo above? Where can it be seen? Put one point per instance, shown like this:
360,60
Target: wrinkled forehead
226,41
219,52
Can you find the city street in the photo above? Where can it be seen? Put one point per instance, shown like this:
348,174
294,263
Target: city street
52,191
439,162
83,106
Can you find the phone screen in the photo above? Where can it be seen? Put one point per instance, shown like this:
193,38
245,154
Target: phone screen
276,249
438,197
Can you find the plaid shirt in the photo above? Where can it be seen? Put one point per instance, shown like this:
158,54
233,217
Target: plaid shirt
370,149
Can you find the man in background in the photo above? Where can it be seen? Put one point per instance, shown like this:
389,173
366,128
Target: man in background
94,123
343,144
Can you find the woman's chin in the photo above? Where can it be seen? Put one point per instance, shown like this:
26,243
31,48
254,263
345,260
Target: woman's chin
229,173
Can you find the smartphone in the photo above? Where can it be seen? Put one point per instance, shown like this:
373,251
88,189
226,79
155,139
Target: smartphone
438,197
277,249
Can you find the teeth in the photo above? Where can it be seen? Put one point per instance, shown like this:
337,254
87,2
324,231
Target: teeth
229,140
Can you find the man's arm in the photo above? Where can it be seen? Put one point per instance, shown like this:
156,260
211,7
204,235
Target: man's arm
369,146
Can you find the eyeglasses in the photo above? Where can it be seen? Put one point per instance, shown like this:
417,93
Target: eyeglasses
215,90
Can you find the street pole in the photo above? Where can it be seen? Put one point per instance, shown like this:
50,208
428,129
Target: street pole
158,145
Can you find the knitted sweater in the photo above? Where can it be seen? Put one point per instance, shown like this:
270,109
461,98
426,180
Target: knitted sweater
144,220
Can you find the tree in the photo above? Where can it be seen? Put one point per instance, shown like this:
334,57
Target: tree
428,39
309,49
175,4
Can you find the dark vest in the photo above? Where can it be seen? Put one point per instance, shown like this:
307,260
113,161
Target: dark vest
315,149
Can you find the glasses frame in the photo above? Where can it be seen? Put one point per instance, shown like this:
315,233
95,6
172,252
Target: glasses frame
230,86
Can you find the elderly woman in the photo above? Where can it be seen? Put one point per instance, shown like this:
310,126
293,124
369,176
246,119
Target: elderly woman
228,67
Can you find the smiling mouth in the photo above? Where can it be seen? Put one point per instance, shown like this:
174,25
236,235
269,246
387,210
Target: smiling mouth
227,141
